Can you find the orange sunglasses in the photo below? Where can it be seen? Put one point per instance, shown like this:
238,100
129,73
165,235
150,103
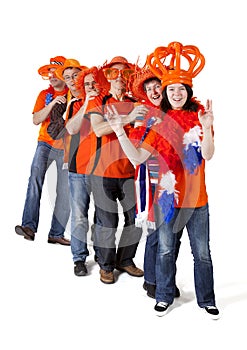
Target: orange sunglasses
113,73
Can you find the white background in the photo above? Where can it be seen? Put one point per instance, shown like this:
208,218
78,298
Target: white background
43,305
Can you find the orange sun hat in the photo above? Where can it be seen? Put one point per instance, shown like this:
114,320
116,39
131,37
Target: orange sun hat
69,63
176,63
118,59
137,81
55,62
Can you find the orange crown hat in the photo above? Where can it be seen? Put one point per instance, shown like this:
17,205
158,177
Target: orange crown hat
136,84
54,63
176,63
69,63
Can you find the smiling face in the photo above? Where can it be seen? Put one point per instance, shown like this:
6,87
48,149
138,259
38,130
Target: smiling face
153,89
177,95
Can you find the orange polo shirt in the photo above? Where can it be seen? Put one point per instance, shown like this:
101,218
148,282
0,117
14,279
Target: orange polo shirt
110,160
85,153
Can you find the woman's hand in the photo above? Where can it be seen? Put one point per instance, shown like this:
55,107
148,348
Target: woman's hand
207,118
114,119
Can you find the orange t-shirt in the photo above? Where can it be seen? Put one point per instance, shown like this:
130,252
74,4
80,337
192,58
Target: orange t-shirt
191,187
110,160
79,152
85,153
40,104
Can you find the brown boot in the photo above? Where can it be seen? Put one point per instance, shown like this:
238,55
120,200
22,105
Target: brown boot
106,276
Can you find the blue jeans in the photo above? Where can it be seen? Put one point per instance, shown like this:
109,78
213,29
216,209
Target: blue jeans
196,220
151,249
150,252
150,257
43,157
79,200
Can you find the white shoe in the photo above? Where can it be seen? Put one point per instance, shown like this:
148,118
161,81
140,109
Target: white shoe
213,312
161,308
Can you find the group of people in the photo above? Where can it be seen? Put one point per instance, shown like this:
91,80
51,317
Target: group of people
134,139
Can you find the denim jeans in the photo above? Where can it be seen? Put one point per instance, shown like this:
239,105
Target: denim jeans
196,220
151,248
79,200
150,252
113,247
43,157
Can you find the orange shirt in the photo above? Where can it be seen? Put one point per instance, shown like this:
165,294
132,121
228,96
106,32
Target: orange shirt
191,187
40,104
79,152
110,160
85,153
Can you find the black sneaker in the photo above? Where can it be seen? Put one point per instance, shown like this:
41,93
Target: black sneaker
150,288
213,312
80,268
161,308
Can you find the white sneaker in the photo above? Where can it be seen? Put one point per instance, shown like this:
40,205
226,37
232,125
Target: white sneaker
161,308
213,312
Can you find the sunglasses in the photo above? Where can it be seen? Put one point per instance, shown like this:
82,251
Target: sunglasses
113,73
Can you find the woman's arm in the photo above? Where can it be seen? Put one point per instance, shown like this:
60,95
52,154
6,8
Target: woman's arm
206,119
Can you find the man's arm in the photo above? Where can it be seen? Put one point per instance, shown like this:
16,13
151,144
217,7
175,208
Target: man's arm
99,125
74,124
40,116
102,127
